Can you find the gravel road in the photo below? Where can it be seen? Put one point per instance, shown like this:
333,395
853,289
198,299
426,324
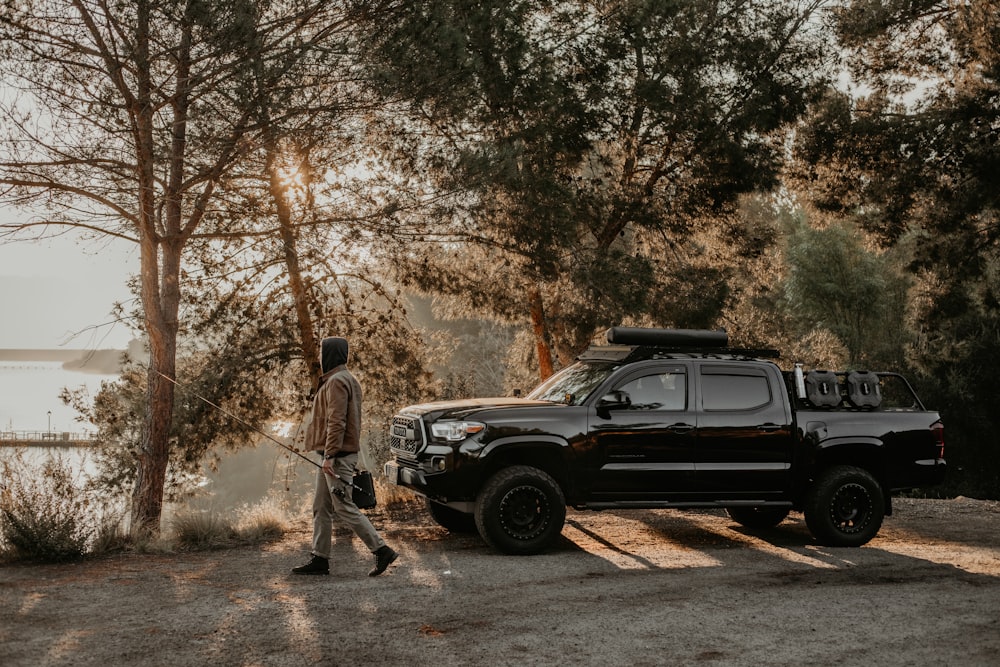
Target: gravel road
621,588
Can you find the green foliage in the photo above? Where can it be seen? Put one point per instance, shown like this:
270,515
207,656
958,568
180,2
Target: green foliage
960,368
579,154
151,123
44,514
925,158
919,159
241,369
596,157
835,283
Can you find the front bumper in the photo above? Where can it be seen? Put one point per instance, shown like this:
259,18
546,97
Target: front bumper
458,484
408,477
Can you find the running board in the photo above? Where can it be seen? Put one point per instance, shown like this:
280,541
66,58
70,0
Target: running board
682,504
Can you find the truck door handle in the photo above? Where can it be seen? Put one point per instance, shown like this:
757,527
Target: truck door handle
680,428
769,427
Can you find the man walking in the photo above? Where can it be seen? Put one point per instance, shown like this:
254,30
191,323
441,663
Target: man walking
335,433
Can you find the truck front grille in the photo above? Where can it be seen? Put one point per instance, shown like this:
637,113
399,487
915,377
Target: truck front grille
405,435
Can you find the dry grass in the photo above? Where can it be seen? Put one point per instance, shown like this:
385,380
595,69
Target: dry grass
265,521
253,524
390,496
202,530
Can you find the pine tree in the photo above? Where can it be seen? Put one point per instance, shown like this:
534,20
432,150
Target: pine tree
126,120
577,149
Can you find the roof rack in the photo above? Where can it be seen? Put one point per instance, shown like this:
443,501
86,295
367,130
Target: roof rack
647,342
628,353
650,351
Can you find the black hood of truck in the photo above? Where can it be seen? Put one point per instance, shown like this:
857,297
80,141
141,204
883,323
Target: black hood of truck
468,408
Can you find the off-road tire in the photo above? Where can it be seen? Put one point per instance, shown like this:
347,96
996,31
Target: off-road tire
758,518
451,519
520,510
845,507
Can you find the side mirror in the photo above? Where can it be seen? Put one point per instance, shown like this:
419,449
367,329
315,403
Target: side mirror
616,400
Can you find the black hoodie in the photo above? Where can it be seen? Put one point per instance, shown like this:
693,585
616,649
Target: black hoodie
334,353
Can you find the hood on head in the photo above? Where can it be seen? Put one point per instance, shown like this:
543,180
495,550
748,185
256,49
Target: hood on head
333,353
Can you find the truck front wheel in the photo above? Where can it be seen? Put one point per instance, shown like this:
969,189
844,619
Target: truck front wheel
520,510
845,507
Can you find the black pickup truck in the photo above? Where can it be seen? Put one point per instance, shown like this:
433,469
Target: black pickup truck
671,418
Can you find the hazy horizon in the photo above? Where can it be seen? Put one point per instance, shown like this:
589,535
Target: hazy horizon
30,393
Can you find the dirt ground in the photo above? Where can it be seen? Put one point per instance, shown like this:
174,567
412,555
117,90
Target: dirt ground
621,588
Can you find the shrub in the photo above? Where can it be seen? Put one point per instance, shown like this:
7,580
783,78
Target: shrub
43,516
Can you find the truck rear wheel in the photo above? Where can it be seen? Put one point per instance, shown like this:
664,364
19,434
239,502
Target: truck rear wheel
520,510
845,507
758,517
451,519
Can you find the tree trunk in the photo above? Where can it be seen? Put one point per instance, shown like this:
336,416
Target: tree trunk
154,457
307,336
161,301
160,266
541,334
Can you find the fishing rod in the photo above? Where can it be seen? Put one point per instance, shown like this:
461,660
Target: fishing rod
232,416
188,390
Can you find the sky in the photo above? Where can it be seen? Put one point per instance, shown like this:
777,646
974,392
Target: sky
59,293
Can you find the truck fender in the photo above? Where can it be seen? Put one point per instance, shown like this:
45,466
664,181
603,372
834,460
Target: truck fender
521,440
540,442
843,441
862,451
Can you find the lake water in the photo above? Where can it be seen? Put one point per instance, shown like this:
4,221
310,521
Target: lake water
29,396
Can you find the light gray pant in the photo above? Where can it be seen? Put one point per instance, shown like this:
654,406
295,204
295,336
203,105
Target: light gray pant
328,502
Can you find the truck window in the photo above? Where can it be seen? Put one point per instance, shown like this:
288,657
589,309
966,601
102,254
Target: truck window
732,391
657,391
573,384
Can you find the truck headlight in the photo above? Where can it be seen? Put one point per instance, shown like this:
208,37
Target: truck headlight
455,431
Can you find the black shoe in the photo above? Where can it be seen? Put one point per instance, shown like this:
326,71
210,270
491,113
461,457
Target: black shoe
317,565
384,557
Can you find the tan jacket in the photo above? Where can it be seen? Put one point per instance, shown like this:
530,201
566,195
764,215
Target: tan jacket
336,418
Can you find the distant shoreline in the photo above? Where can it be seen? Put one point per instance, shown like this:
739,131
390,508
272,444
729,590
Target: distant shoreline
61,354
102,362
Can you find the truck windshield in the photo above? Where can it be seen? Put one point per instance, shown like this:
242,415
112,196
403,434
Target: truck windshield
573,384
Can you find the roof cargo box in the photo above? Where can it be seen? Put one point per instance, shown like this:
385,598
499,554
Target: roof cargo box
863,389
823,389
695,338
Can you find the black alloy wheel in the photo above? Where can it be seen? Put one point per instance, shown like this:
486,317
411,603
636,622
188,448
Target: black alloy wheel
524,512
845,507
520,510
